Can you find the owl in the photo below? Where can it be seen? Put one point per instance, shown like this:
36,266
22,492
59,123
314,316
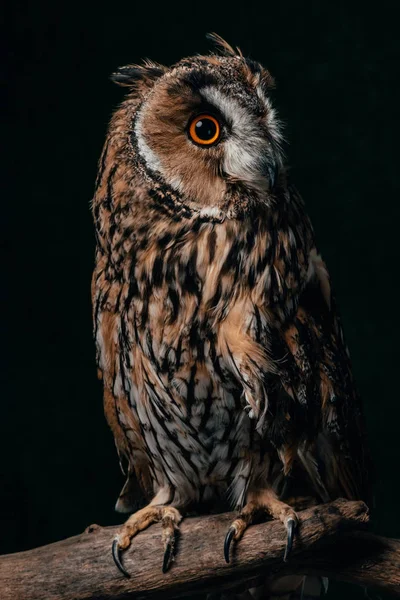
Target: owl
227,381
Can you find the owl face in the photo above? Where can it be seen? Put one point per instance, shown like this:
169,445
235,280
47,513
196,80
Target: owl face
206,126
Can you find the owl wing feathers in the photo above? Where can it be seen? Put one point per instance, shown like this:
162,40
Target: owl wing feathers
123,421
316,374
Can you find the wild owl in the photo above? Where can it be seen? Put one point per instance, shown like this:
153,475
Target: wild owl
227,382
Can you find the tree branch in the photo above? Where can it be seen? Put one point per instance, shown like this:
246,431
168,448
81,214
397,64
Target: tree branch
328,543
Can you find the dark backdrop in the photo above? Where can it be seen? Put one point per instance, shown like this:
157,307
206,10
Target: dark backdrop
336,70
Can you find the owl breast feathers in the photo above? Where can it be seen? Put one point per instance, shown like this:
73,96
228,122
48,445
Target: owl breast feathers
220,349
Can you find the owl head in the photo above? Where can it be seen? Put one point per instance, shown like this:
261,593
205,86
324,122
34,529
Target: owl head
204,127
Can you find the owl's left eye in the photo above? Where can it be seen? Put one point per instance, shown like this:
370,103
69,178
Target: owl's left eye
204,130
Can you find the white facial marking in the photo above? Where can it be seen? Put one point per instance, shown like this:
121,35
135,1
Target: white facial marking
145,151
176,183
273,122
247,144
151,159
212,212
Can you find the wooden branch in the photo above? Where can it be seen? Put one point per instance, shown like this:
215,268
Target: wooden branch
81,567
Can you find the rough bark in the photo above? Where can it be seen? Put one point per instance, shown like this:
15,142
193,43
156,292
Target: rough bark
329,542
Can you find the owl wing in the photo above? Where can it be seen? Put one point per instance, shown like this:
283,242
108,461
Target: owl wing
123,421
316,374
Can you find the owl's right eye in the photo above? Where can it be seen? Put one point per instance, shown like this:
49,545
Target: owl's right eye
204,130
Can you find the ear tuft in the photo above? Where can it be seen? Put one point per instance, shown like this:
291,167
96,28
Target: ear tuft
138,75
222,46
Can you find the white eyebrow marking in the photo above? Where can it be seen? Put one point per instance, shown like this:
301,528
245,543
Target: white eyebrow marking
247,146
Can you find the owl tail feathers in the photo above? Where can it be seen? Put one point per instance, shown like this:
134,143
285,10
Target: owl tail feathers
131,496
125,501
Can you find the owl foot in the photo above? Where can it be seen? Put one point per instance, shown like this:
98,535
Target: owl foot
258,502
170,519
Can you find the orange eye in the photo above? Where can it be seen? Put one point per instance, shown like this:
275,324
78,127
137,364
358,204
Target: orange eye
204,130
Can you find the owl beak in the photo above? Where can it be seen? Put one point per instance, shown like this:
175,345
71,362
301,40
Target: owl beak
269,169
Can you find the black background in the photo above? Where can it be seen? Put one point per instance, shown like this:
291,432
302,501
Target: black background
336,68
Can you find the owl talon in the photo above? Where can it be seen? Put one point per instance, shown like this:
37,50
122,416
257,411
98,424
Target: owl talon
290,526
116,554
228,541
167,557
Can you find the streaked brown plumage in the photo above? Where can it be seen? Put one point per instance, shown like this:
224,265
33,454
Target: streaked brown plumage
226,377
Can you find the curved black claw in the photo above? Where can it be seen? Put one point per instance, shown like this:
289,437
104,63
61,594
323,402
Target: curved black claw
228,541
167,557
117,558
290,526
